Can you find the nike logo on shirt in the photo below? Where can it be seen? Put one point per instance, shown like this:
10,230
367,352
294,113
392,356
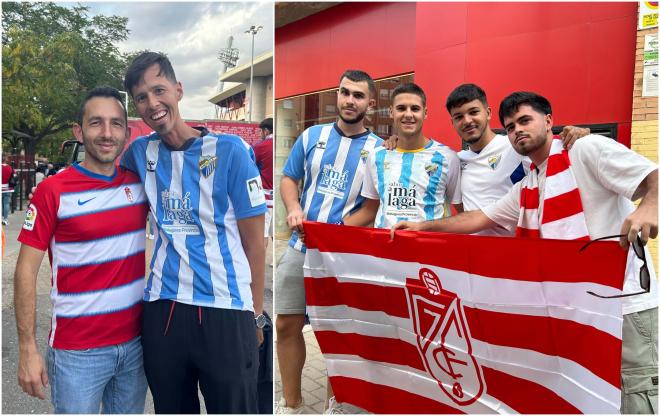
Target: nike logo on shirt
84,202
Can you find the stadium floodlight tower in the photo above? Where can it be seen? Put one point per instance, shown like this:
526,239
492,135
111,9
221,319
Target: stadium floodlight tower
253,31
228,56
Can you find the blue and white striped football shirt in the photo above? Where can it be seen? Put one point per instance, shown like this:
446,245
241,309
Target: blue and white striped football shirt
332,167
197,193
413,185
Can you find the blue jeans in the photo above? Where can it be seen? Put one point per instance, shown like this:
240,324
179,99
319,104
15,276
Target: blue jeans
83,380
6,204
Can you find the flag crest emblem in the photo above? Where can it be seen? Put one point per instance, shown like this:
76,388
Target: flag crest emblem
443,338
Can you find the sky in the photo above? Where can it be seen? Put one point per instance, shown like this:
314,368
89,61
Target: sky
191,34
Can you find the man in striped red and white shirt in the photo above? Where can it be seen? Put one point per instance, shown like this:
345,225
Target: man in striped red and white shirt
91,219
589,198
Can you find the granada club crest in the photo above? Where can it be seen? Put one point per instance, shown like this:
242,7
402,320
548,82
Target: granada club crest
443,338
129,194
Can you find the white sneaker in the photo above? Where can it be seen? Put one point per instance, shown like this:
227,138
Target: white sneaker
282,409
335,408
150,236
5,222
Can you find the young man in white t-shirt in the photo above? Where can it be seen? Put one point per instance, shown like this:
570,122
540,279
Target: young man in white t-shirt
609,177
489,166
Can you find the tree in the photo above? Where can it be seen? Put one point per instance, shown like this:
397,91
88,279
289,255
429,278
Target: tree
51,56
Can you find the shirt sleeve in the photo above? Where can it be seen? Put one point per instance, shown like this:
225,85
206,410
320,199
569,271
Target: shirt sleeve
506,211
617,168
40,218
369,184
244,184
453,190
295,164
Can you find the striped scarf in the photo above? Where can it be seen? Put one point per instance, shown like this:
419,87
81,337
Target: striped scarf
563,217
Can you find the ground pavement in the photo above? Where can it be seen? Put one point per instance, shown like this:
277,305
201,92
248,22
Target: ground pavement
314,372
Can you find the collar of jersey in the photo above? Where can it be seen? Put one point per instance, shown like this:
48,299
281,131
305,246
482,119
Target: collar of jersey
416,150
87,172
479,151
203,131
341,133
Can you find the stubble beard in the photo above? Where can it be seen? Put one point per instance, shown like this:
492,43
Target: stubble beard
358,118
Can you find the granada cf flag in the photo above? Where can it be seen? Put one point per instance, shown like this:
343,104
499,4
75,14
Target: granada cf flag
444,323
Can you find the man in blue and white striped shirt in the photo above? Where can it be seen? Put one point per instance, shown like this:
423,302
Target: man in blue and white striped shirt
330,160
205,288
417,180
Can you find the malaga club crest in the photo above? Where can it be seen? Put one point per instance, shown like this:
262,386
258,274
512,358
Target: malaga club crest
364,154
207,165
443,338
431,169
493,161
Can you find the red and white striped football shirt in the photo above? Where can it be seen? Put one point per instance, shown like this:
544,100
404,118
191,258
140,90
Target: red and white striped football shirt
93,227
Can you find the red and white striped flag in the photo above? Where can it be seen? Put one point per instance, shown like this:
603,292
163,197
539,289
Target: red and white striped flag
444,323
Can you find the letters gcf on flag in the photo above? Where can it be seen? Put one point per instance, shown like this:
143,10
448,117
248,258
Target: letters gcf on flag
444,323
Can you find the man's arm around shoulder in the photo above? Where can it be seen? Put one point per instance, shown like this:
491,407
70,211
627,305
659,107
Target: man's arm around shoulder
32,374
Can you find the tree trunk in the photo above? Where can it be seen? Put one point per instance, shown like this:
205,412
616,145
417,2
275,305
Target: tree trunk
30,147
27,168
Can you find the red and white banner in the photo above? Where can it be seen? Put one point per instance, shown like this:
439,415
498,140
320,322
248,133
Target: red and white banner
444,323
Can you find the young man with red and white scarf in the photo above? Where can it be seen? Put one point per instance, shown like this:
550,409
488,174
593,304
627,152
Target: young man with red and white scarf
582,193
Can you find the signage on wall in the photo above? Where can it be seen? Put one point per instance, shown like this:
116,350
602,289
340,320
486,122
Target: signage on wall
651,49
648,14
650,79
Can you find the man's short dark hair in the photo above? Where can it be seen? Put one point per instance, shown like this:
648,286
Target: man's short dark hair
267,124
102,91
356,75
465,93
410,88
141,63
512,103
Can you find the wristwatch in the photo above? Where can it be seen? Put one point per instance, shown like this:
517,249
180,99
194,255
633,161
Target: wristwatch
260,320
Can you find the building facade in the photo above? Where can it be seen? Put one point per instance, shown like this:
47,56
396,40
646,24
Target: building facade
234,101
579,55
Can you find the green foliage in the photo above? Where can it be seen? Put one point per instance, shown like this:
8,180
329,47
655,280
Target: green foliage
51,56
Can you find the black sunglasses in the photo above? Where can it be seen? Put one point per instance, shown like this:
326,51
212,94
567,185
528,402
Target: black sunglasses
644,275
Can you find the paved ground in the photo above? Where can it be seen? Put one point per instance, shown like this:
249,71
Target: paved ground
13,399
314,373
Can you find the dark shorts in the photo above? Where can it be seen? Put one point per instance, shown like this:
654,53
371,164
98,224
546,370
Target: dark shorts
215,347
